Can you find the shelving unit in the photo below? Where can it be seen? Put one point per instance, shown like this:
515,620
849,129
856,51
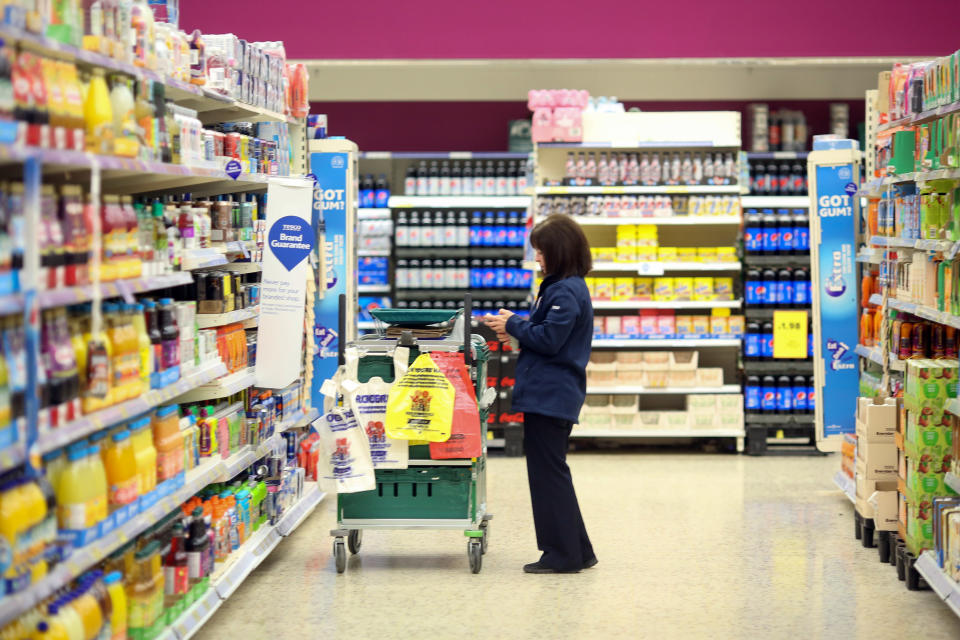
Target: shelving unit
459,202
652,133
775,202
845,483
210,320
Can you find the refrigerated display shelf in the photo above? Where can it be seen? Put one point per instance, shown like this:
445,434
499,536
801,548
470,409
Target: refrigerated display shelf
600,221
241,563
459,202
210,320
678,189
774,202
675,304
666,342
374,214
845,484
110,416
638,390
657,268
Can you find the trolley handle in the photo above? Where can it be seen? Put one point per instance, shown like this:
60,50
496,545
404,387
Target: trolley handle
467,324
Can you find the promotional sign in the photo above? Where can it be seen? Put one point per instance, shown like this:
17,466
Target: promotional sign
330,220
835,296
790,334
283,288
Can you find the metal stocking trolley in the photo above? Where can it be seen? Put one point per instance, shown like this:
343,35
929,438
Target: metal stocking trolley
429,494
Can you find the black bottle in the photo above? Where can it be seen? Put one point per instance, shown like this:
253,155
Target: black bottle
770,288
768,394
798,178
751,341
766,341
466,184
784,395
773,180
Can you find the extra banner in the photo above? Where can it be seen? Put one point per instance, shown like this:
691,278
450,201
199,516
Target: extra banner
290,240
835,175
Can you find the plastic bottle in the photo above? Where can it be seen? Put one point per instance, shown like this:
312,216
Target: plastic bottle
784,395
98,115
145,454
468,180
124,125
433,179
753,232
768,394
752,394
801,287
500,231
785,288
751,342
87,607
382,193
121,468
785,231
410,182
67,615
801,226
176,580
113,582
169,333
766,341
198,59
168,441
811,395
770,288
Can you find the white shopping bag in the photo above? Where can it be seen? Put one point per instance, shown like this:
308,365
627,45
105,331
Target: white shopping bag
345,465
369,403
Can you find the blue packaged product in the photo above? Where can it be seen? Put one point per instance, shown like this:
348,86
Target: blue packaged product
476,229
513,230
751,342
489,230
752,289
489,274
501,230
526,279
752,394
801,223
811,396
771,232
768,394
770,287
500,274
766,340
785,293
784,395
799,387
753,232
476,276
785,231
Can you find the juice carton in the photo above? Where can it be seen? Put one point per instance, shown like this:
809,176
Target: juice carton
683,288
663,289
701,325
643,288
604,288
623,289
703,288
666,325
930,383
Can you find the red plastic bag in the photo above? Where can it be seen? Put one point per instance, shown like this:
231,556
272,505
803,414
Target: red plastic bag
465,434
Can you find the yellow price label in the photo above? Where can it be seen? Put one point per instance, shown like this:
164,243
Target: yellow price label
790,334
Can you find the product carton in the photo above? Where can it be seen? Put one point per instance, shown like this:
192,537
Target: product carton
930,383
879,459
884,508
876,422
701,402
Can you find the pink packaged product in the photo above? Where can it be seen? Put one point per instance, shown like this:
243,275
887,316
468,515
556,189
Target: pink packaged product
648,326
630,325
599,326
557,114
666,325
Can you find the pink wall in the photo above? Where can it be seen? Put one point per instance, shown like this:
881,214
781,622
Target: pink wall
428,126
600,28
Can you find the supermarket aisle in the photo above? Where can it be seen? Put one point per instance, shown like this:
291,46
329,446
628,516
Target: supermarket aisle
690,546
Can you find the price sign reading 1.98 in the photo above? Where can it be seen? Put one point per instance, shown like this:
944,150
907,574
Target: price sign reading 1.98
790,334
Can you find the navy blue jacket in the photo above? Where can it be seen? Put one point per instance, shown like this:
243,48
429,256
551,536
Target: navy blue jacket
554,349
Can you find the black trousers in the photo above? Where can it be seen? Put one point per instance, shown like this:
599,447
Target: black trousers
561,534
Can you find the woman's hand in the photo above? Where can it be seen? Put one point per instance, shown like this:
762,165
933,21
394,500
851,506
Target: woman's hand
498,322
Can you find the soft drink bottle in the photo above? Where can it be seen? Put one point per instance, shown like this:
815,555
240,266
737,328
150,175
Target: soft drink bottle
645,169
410,182
590,171
570,170
603,170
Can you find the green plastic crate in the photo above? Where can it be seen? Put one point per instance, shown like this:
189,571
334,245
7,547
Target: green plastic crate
417,493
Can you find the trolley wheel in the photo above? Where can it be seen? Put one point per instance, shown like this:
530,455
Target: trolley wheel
340,555
857,525
485,540
354,538
475,553
901,563
883,546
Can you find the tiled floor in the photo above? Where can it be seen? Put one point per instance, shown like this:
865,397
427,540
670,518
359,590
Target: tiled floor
690,546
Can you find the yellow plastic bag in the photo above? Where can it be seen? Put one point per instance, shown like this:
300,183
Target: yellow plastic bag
420,403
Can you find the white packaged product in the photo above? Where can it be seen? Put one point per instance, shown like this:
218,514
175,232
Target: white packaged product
369,403
345,465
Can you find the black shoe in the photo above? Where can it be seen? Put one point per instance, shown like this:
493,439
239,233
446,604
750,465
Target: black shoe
536,567
592,562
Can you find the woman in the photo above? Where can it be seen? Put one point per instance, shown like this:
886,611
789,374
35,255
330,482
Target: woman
550,389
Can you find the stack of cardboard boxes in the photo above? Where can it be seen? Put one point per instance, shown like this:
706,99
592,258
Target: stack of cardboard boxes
876,463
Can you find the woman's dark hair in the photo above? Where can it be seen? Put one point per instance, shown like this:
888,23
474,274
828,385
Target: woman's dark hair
565,249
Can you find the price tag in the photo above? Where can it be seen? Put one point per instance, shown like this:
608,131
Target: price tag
790,334
650,268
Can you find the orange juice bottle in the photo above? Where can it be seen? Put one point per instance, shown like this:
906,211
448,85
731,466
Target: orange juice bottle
114,329
144,348
145,454
168,441
98,115
121,467
118,600
13,527
866,328
35,507
89,611
67,615
98,479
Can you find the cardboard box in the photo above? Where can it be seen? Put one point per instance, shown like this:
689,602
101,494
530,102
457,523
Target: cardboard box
876,422
878,460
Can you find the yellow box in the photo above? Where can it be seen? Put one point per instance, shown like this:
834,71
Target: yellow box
606,254
703,288
735,325
663,289
720,311
667,254
626,254
701,325
684,325
686,254
591,285
718,325
647,254
683,288
726,254
603,289
643,288
707,254
622,289
723,288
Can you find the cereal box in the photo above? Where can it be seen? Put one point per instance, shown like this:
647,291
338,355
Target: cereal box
630,325
735,325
